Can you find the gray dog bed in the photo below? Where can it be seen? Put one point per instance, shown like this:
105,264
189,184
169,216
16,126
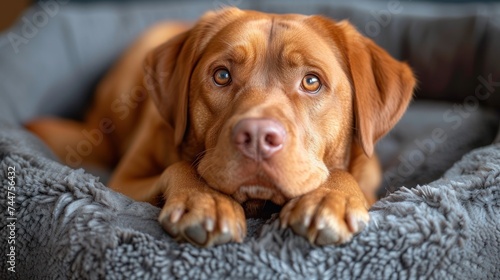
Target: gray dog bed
438,219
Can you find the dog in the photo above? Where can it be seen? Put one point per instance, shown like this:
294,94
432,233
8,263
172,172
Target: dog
215,121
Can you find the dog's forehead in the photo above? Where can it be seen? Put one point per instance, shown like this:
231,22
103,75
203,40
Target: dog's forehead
287,36
268,28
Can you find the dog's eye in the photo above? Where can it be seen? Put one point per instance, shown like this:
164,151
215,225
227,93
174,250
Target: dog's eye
311,83
222,77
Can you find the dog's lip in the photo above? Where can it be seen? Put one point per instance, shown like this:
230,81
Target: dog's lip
259,191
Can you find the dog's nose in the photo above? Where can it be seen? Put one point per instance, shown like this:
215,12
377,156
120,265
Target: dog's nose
259,139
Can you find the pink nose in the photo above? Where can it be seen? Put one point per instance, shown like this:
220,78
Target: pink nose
259,139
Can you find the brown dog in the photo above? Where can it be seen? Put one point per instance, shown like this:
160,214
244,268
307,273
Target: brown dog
250,107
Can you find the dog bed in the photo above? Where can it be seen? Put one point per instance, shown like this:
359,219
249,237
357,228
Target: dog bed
441,206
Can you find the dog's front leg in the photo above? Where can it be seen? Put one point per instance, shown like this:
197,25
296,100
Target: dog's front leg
330,214
195,212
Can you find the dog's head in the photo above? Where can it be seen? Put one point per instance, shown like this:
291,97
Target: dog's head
267,105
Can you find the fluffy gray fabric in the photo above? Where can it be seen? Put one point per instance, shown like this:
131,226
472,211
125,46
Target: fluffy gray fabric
69,225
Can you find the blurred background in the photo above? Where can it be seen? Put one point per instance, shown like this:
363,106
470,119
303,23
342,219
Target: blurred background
10,10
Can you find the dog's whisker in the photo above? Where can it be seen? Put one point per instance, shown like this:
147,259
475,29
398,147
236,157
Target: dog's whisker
198,158
203,171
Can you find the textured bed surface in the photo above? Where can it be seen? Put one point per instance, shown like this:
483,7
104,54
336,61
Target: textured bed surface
72,226
443,225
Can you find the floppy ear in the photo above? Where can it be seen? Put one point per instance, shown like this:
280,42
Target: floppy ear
383,87
168,68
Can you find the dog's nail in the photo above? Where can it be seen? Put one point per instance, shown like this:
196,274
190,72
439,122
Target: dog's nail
222,239
209,225
307,221
355,224
169,227
352,223
299,228
224,227
326,237
320,223
176,215
196,233
311,237
361,225
241,234
284,221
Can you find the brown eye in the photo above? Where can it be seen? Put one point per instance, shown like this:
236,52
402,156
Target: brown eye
311,83
222,77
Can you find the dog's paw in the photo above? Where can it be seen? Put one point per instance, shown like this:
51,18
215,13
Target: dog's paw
204,218
325,216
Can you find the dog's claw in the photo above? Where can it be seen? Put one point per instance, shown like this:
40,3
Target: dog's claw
361,225
176,215
241,233
284,221
169,227
299,228
320,223
224,228
209,225
355,223
307,221
222,239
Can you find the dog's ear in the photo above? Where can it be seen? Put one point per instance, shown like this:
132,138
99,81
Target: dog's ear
168,68
166,78
383,86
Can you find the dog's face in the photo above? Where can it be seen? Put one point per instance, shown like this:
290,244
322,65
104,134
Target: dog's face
273,106
267,105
